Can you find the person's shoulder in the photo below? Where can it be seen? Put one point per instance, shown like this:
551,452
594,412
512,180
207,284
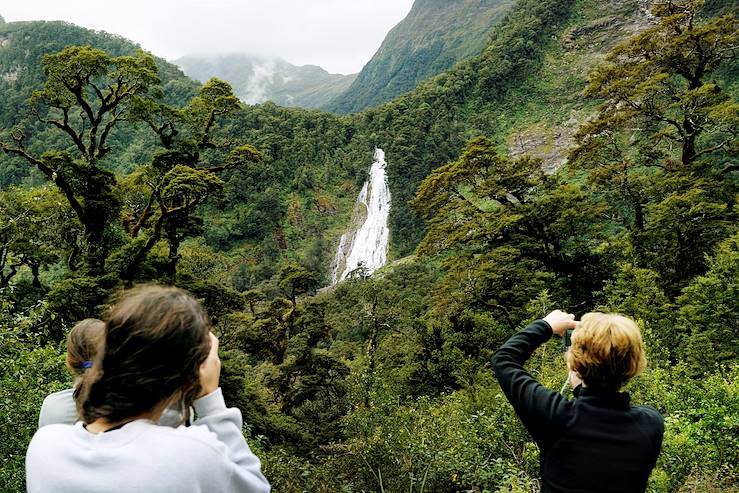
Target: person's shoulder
58,407
194,437
61,395
49,435
649,411
651,415
56,429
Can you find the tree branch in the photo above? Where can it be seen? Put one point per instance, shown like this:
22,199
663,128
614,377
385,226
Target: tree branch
63,125
50,173
715,148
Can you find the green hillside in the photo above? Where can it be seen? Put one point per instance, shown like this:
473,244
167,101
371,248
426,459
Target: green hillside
524,91
258,79
311,163
435,35
22,44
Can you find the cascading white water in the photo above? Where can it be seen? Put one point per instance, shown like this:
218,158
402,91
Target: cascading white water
368,244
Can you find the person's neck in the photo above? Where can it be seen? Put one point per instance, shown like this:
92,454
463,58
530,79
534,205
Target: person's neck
101,425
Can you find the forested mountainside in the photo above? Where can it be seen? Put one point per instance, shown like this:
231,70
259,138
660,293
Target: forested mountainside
524,91
22,45
586,159
435,35
259,79
311,167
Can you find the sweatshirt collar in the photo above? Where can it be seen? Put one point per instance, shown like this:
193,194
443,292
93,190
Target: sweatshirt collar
127,433
607,398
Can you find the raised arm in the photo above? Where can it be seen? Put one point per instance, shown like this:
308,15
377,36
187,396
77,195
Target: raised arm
543,412
246,474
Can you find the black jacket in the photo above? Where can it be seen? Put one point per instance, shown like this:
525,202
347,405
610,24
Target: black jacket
597,442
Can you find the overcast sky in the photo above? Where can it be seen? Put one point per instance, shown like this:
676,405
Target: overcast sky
339,35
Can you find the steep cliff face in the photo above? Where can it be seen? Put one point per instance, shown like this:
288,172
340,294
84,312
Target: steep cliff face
259,79
434,36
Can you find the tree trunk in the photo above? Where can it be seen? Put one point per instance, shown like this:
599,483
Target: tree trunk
35,267
132,268
96,249
172,258
688,150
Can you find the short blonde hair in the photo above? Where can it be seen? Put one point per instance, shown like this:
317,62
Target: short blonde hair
607,350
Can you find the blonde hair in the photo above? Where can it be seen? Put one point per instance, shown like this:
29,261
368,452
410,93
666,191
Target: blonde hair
607,350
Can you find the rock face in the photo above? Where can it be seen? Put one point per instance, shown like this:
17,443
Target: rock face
550,144
583,47
259,79
434,36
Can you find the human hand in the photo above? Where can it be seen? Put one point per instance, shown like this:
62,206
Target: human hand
560,321
574,379
210,370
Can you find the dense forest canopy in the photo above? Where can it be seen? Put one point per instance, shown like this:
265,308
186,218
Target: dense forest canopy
587,159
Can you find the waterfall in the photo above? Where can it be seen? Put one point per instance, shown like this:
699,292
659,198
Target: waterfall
366,246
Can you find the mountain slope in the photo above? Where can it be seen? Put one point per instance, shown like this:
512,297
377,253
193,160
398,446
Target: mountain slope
524,87
258,79
22,46
435,35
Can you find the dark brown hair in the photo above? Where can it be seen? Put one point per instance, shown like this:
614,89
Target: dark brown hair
155,341
82,344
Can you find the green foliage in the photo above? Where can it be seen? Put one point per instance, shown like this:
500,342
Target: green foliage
28,375
26,241
446,444
664,139
709,310
86,94
699,417
24,45
507,232
295,279
29,370
383,383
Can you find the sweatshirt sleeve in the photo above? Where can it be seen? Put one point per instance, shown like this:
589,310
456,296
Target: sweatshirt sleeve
226,423
544,412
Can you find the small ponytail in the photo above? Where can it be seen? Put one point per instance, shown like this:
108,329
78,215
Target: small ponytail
83,343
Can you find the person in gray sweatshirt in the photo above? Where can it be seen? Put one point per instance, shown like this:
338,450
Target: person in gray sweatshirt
157,349
82,343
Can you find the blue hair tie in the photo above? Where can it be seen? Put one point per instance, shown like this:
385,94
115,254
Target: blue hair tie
86,364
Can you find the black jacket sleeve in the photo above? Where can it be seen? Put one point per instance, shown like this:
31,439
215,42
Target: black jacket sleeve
544,413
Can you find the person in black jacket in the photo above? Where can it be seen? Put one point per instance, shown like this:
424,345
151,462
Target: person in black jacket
598,441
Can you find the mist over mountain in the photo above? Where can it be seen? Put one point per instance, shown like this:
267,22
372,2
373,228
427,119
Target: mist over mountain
435,35
258,79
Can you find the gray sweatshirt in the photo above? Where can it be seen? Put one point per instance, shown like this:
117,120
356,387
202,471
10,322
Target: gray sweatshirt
210,456
60,408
